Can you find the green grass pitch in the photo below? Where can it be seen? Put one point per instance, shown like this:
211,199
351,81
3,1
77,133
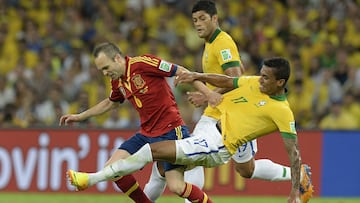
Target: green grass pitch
113,198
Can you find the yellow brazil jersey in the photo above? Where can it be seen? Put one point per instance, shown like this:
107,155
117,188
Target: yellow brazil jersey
246,113
219,54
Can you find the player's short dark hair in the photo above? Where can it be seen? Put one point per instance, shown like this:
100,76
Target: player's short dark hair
205,5
281,67
108,48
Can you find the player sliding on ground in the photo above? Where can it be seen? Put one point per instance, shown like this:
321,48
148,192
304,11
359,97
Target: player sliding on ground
257,107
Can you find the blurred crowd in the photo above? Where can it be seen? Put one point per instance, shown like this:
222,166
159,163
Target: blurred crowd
47,70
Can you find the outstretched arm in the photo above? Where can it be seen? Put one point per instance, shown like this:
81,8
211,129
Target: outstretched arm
98,109
213,98
199,99
235,71
217,80
291,145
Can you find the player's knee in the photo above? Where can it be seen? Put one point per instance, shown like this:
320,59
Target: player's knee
176,187
244,172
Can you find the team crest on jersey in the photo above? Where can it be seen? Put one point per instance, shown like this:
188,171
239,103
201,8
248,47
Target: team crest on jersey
261,103
226,54
138,81
165,66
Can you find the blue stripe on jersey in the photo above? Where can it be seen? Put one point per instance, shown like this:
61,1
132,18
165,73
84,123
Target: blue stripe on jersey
213,151
174,70
252,148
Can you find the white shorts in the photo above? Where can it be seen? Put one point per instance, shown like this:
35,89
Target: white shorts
204,148
243,154
246,152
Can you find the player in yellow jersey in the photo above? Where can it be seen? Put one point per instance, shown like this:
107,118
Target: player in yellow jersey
256,107
220,56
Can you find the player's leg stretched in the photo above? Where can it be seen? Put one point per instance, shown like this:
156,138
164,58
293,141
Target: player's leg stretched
177,185
128,184
114,170
196,177
131,164
265,169
157,182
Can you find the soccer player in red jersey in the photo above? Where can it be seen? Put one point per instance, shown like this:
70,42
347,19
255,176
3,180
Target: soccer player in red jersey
141,80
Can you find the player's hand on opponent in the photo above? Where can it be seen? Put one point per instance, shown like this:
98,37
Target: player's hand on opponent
185,77
214,98
69,118
197,98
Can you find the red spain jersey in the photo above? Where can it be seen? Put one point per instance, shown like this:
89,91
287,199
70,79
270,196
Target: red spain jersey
145,86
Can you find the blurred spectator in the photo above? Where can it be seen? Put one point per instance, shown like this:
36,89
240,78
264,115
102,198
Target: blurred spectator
52,107
31,36
352,107
19,72
300,95
326,89
74,76
328,58
314,68
300,102
341,72
115,121
7,117
40,80
80,104
338,119
124,117
25,112
7,93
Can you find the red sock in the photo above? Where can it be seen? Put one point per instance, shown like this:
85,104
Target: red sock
131,188
195,194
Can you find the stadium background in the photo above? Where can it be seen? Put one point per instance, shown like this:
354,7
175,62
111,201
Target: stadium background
46,70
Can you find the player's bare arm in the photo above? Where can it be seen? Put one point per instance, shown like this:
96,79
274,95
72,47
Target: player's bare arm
235,71
100,108
212,97
198,99
292,148
217,80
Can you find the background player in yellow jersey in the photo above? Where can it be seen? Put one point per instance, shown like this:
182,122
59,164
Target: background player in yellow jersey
257,107
220,56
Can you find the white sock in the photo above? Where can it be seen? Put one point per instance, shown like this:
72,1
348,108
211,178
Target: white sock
267,170
123,166
156,185
196,177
